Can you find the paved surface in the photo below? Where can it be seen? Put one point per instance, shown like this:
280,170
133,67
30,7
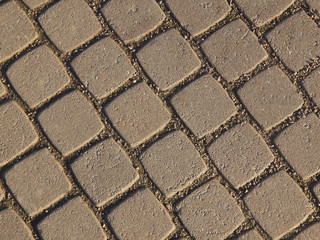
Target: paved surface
150,119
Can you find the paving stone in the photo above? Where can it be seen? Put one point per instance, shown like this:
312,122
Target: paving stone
300,144
312,85
210,212
16,29
34,3
172,162
70,122
250,235
203,105
1,194
12,227
104,171
270,97
312,232
278,204
16,132
37,75
37,181
72,220
262,11
2,90
132,18
140,217
316,191
233,50
168,58
102,67
69,23
240,154
196,16
296,40
314,4
137,113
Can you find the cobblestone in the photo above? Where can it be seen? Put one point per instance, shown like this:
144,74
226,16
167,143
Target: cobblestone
312,85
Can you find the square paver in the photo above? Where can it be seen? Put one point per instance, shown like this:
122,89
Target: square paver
197,15
34,3
250,235
203,105
312,85
300,145
140,217
70,122
312,232
104,171
16,132
37,181
16,29
240,154
234,50
102,67
69,23
172,162
73,220
132,18
209,212
296,40
37,75
270,97
137,113
278,204
168,58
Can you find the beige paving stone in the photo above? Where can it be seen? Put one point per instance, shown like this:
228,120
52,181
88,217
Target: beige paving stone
168,58
37,75
233,50
16,132
137,113
103,171
270,97
34,3
210,212
172,162
240,154
1,194
102,67
300,144
261,11
37,181
195,15
314,4
251,235
278,204
12,226
316,191
73,221
16,29
312,232
69,23
295,40
70,122
312,85
132,18
2,90
140,217
203,105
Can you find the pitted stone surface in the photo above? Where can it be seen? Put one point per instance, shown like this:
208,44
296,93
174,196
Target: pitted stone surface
203,105
312,85
34,3
196,16
168,58
304,134
37,75
233,50
140,217
102,67
312,232
104,171
296,40
278,204
270,97
251,235
210,204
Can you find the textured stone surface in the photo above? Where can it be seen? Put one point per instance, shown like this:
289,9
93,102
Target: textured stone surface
102,67
295,40
240,154
270,97
312,232
168,58
251,235
203,105
209,204
233,50
37,75
34,3
103,171
316,190
300,145
312,85
140,217
278,204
